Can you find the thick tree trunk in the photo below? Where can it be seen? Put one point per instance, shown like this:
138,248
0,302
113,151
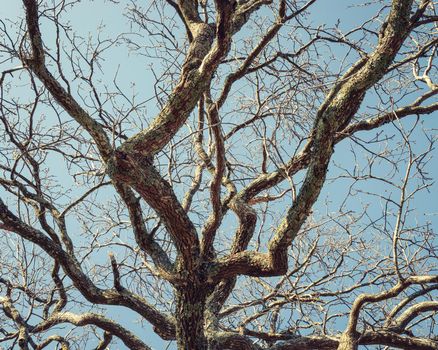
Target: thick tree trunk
348,341
190,307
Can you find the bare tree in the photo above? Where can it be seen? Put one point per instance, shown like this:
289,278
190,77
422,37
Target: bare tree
180,164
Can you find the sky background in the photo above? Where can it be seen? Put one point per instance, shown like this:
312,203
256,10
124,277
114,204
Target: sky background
134,75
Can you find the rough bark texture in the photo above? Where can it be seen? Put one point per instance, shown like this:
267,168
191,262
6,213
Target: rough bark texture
190,310
181,247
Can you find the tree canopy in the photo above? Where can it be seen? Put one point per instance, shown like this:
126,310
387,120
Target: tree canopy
169,167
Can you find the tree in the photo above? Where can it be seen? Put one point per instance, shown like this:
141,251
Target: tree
216,211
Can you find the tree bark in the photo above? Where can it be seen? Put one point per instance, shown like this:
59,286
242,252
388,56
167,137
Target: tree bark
348,341
190,307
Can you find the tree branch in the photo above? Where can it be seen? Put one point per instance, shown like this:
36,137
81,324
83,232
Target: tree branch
164,325
128,338
36,63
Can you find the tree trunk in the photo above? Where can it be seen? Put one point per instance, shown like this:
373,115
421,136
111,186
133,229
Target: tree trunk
348,341
190,307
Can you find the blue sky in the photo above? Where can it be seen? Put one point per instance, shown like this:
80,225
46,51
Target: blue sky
135,76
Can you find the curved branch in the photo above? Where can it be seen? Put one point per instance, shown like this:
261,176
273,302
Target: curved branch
336,112
235,341
164,325
414,311
350,338
407,300
141,175
36,64
128,338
